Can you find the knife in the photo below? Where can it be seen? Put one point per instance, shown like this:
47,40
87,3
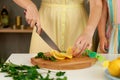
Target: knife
47,39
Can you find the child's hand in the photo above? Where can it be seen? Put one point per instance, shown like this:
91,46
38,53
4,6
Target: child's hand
103,45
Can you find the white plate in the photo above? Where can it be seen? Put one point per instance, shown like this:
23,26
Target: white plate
109,77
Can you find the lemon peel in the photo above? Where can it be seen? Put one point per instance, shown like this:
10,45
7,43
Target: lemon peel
56,54
114,68
61,55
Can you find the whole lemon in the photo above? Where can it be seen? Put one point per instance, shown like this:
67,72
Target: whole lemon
114,67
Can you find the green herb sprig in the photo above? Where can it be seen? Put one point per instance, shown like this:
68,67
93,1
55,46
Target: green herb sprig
24,72
1,62
41,55
93,54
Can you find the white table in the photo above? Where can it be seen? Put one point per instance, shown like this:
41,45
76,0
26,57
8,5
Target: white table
96,72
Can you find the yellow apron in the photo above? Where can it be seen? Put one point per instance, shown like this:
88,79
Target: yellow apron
63,20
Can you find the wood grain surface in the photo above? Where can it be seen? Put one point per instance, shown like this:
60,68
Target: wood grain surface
67,64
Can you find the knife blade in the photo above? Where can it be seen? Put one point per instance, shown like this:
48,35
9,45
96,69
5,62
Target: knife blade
47,39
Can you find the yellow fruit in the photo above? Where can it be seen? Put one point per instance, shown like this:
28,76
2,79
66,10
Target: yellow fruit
62,56
106,63
114,67
69,51
57,55
67,55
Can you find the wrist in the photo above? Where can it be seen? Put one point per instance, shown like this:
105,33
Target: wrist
102,37
89,30
30,5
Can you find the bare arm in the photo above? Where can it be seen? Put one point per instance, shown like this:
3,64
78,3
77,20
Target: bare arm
23,3
101,28
102,22
85,39
94,17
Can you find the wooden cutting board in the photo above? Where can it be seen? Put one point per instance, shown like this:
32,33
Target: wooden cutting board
67,64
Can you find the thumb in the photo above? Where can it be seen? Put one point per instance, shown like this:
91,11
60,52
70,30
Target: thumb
38,28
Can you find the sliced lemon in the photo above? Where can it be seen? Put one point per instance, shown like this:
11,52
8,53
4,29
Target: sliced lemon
66,55
69,51
57,55
62,56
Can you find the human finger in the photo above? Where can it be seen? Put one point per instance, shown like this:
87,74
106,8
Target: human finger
79,48
38,26
32,23
89,46
83,48
29,21
103,48
74,49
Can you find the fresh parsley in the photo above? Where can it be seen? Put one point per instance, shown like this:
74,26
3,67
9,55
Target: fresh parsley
41,55
24,72
60,73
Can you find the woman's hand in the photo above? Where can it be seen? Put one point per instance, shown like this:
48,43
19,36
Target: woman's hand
31,13
103,45
84,41
32,17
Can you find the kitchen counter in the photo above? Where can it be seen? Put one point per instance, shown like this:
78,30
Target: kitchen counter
95,72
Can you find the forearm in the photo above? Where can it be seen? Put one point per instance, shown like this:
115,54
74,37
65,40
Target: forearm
94,16
103,20
23,3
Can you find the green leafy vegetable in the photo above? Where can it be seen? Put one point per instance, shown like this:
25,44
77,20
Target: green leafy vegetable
60,73
1,62
41,55
64,78
24,72
92,54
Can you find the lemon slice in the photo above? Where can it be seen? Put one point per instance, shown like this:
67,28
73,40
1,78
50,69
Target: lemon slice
66,55
69,51
62,56
57,55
